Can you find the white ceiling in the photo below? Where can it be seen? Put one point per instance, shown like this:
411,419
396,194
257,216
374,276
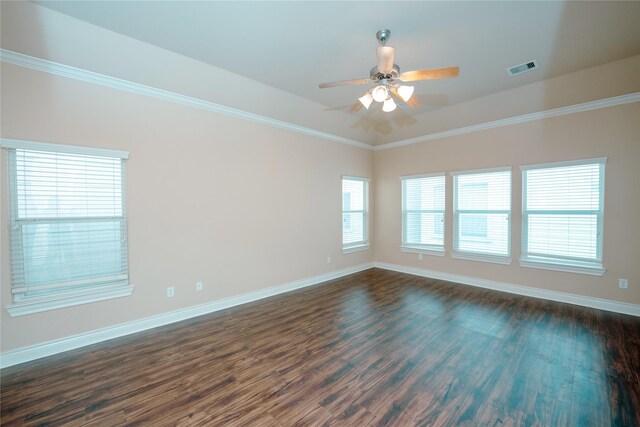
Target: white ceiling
294,46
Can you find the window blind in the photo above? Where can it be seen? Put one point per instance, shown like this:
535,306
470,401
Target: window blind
482,212
423,205
354,212
562,213
68,223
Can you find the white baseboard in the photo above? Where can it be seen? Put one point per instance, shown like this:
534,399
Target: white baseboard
25,354
38,351
602,304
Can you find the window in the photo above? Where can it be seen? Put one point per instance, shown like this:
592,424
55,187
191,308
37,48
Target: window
481,215
355,221
68,226
562,216
474,225
423,214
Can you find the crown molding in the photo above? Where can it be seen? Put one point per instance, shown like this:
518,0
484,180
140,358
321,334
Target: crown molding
55,68
555,112
58,69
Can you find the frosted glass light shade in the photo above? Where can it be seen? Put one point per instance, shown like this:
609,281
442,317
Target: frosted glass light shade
379,93
405,92
366,100
388,105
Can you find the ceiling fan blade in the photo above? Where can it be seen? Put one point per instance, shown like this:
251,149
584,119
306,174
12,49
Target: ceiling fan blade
385,59
356,107
344,83
394,91
435,73
413,102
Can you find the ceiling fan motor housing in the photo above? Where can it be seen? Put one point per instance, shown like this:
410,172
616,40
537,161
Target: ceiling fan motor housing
377,75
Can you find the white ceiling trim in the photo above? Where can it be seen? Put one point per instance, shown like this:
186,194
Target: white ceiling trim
555,112
51,67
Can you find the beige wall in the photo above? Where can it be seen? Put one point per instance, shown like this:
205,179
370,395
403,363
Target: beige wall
35,30
195,176
238,205
604,81
611,132
182,208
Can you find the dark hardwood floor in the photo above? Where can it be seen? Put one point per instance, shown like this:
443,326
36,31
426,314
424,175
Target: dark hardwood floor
373,348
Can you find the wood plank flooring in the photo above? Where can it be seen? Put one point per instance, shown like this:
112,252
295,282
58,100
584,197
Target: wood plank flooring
376,348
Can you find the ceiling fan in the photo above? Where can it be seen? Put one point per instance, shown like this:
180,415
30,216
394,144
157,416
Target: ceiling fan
386,75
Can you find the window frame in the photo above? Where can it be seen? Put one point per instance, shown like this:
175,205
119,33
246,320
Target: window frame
362,245
481,256
426,249
554,262
22,304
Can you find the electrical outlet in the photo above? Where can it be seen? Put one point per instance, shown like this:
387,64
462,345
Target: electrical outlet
328,260
198,286
170,292
420,257
623,283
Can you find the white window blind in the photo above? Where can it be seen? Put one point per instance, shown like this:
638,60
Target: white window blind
562,213
68,226
423,205
355,221
482,213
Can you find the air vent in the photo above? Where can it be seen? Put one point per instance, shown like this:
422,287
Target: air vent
522,68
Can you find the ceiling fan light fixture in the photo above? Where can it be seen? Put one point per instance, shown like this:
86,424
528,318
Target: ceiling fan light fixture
405,92
380,93
366,100
388,105
388,80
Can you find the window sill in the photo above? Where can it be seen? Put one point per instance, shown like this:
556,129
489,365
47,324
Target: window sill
496,259
592,271
426,251
358,248
39,304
